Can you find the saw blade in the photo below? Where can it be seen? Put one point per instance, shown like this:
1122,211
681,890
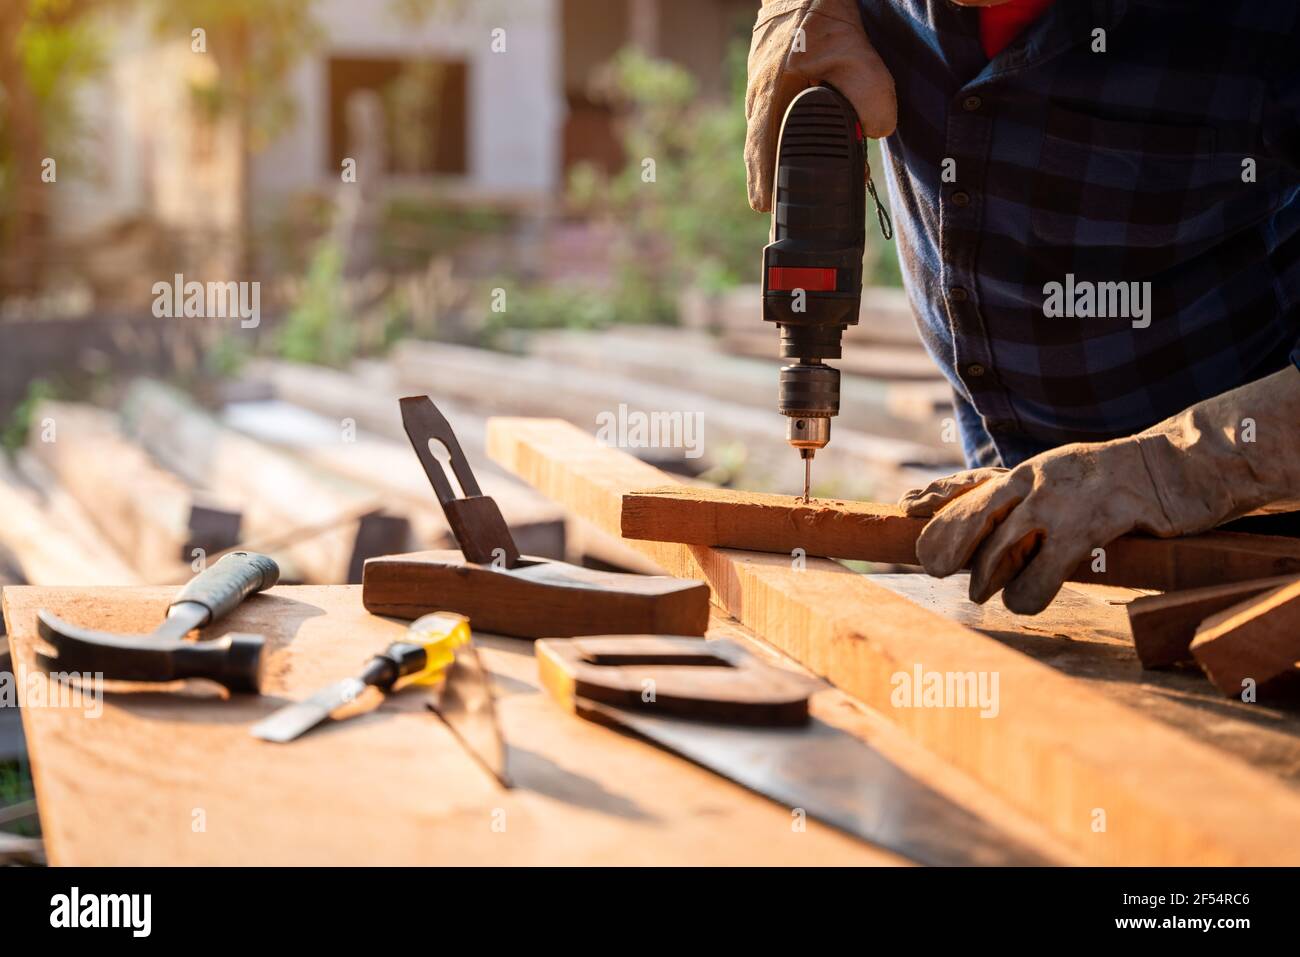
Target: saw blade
300,717
834,778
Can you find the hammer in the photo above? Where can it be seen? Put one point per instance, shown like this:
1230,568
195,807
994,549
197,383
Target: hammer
234,660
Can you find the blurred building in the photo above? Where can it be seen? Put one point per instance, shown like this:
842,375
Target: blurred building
490,117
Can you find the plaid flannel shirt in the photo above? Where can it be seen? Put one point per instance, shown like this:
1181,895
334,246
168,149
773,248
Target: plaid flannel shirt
1171,157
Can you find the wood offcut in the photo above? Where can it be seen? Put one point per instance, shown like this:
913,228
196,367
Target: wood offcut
1257,640
868,531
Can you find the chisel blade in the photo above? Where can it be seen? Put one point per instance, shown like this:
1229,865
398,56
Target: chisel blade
296,719
466,704
834,778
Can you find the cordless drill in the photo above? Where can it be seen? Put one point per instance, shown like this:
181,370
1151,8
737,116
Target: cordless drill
812,268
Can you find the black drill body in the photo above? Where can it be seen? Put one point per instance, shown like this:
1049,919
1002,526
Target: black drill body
812,268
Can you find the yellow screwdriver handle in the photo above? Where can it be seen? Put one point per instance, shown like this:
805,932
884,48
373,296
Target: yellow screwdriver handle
440,633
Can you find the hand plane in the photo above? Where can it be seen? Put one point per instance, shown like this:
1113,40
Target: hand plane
502,591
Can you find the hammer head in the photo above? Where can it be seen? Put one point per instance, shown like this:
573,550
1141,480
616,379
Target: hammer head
234,660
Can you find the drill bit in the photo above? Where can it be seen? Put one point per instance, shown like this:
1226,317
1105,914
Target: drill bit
807,455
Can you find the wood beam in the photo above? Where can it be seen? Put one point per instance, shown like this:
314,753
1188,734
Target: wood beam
1163,626
1118,787
144,511
1255,641
52,539
306,518
872,532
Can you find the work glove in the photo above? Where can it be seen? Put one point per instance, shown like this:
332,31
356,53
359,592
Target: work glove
798,44
1026,529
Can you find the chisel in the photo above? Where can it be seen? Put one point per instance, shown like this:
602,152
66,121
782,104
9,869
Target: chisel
438,651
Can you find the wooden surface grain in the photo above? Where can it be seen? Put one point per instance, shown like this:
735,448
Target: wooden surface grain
877,532
1255,641
1163,626
1118,786
535,599
175,778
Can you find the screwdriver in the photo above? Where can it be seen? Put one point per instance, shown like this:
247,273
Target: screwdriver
423,659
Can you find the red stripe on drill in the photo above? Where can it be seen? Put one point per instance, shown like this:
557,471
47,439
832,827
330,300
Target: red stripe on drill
810,279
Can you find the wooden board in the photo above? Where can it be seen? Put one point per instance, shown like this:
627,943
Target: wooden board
869,531
1163,626
176,778
1084,634
536,599
54,542
143,510
1257,640
390,469
312,517
367,395
725,434
1064,754
911,411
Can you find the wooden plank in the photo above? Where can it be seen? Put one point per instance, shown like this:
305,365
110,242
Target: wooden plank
863,465
53,542
1084,634
143,510
312,516
869,531
903,410
392,472
366,397
185,784
1163,626
1118,787
1255,641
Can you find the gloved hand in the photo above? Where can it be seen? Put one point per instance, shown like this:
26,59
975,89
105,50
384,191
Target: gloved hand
832,48
1027,528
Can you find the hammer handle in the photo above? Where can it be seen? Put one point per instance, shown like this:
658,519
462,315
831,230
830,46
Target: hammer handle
228,582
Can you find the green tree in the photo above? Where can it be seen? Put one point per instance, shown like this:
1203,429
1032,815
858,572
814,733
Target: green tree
680,199
47,49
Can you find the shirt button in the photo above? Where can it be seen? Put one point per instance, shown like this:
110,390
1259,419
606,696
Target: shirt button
971,104
961,199
975,369
958,294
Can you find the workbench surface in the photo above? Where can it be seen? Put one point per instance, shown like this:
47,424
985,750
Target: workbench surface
175,778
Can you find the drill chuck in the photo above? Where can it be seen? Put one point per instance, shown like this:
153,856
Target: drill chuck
809,396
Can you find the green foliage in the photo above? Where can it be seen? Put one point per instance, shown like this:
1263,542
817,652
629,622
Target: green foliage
695,210
554,306
56,57
415,229
13,435
319,328
681,196
16,787
226,355
255,44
